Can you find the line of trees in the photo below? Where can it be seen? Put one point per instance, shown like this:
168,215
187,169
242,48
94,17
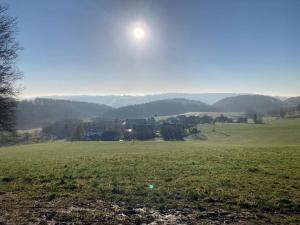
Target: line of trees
172,131
108,129
286,112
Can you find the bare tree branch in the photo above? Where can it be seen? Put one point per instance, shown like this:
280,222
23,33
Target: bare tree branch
9,72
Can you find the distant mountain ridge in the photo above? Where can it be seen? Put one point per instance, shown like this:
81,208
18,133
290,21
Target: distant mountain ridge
244,103
159,108
125,100
36,113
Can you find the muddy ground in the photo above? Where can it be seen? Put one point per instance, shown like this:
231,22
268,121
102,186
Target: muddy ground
67,211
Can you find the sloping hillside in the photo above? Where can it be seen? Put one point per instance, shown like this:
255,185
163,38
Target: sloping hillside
293,101
160,108
36,113
244,103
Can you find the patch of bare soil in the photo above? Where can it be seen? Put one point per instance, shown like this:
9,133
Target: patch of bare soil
64,211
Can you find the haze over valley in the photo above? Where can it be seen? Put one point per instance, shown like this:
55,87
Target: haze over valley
40,111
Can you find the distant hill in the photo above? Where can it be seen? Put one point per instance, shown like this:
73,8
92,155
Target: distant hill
35,113
159,108
125,100
244,103
293,101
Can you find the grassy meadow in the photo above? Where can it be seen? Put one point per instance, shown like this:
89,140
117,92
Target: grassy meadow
242,174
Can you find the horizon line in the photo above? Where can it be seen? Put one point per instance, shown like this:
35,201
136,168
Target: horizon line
144,94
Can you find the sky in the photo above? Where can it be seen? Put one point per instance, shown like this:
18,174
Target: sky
195,46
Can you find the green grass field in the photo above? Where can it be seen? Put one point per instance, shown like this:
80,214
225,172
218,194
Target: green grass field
212,114
243,174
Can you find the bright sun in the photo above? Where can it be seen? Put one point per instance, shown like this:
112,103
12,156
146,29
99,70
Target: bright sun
138,33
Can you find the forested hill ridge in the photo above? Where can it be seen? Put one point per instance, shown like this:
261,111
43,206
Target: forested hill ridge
160,108
36,113
40,111
244,103
293,101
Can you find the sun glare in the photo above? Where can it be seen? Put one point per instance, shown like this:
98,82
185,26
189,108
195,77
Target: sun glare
138,33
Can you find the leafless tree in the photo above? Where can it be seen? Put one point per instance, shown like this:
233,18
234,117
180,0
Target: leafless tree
9,72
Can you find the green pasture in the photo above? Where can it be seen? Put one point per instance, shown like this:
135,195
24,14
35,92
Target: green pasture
239,168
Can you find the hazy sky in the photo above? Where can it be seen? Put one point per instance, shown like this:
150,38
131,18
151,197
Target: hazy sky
87,47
